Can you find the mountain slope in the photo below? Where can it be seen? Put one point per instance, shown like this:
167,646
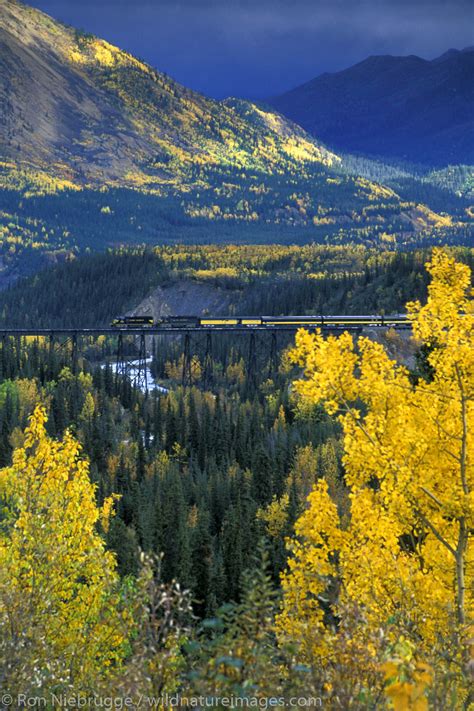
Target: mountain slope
77,103
403,107
97,148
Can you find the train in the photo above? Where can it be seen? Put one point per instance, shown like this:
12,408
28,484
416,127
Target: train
134,322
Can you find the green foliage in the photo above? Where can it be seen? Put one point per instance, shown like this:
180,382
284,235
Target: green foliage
191,467
251,279
237,652
203,475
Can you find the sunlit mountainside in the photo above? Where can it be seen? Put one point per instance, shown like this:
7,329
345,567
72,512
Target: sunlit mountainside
99,148
89,113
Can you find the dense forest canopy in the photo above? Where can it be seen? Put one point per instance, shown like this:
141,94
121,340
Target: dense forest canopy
91,290
42,222
216,478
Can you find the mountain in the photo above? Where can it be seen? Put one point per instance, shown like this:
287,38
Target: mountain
91,112
98,149
394,107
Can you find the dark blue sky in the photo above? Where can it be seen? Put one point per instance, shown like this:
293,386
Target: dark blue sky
256,48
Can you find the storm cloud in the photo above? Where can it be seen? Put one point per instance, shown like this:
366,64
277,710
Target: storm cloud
258,48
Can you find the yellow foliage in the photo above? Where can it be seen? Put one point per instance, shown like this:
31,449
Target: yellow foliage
235,373
406,678
59,607
88,408
375,190
218,272
76,57
275,515
405,553
105,53
424,217
175,369
304,472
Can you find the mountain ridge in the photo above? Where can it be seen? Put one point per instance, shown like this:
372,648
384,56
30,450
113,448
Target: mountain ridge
105,114
97,148
403,107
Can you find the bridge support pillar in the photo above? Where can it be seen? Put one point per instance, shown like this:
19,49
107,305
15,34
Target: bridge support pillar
131,361
186,374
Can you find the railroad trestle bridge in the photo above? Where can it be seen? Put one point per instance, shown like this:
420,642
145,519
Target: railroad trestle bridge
130,349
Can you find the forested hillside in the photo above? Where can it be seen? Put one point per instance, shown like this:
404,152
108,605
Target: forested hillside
91,290
36,230
98,149
215,477
85,112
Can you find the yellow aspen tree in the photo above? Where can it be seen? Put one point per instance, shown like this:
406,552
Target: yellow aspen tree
63,625
304,472
403,555
275,515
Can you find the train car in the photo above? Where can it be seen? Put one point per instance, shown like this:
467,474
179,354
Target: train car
397,320
181,321
211,321
300,321
340,322
132,322
216,321
336,321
